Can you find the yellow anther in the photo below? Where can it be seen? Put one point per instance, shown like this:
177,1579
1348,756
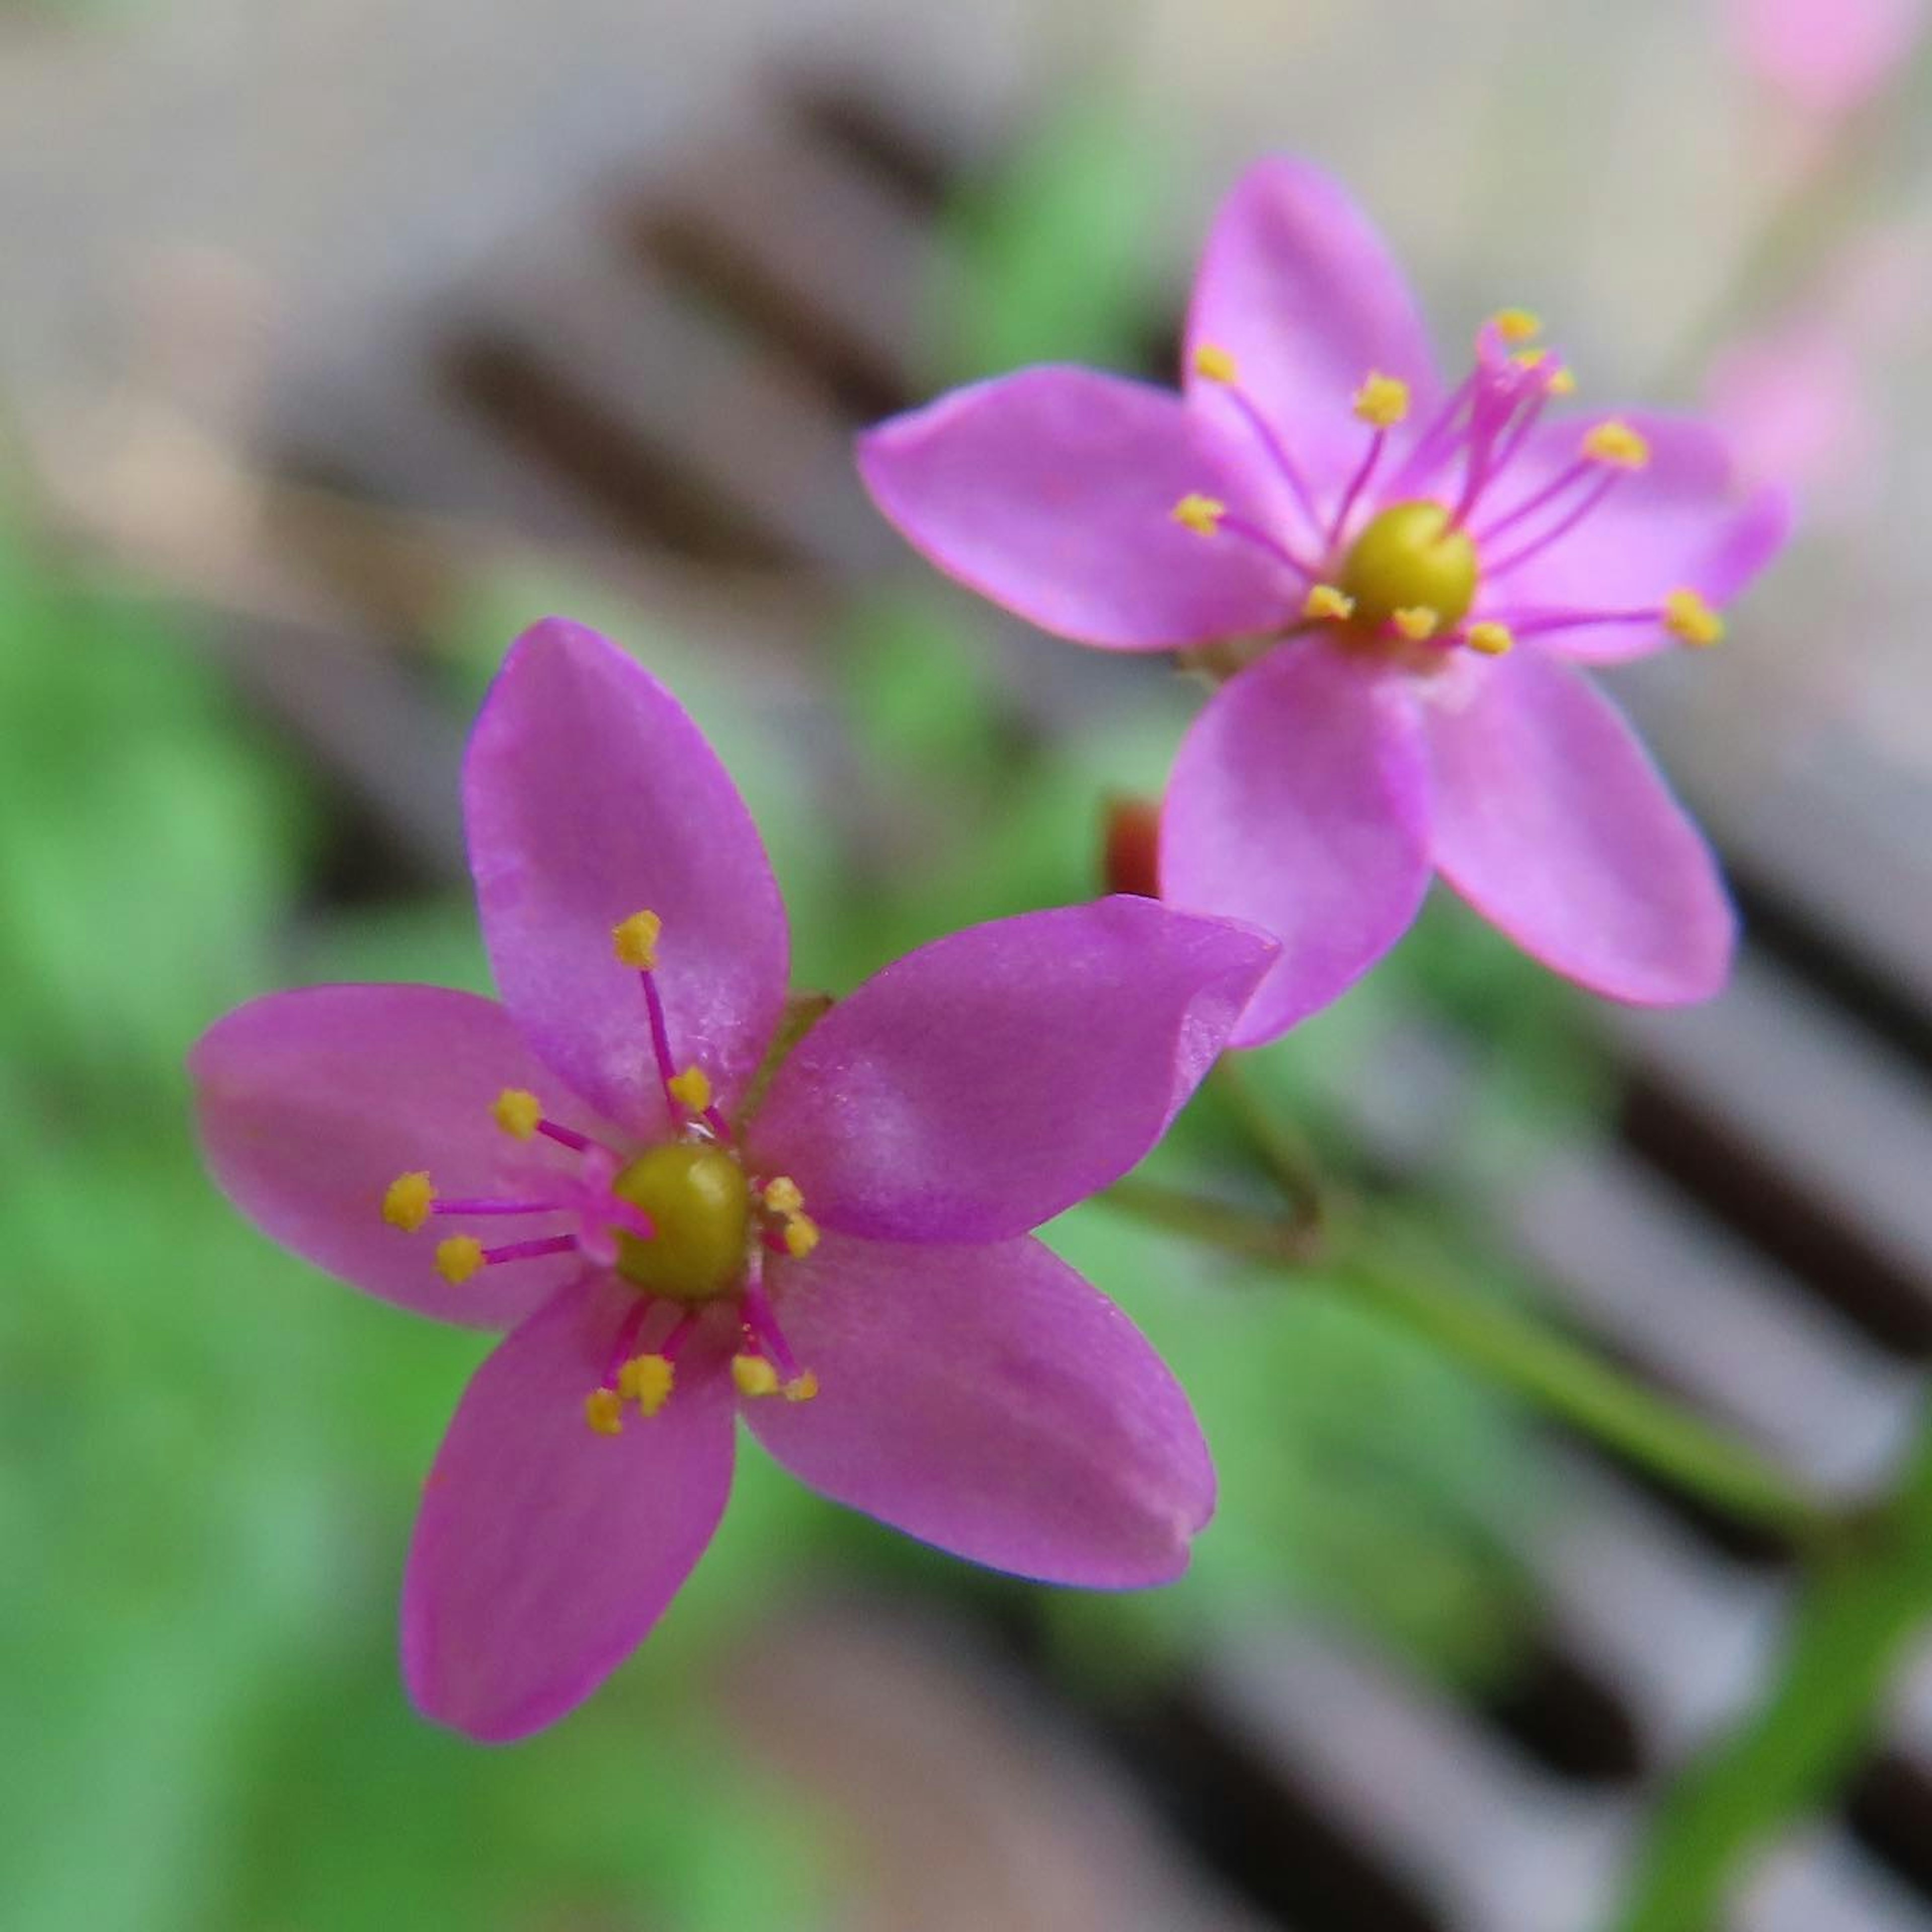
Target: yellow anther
1516,325
406,1204
635,941
782,1195
1200,515
604,1410
1325,603
1418,622
647,1380
1492,640
458,1258
802,1388
754,1375
1381,400
1616,444
1216,364
1530,359
691,1089
1687,616
801,1235
1562,383
517,1112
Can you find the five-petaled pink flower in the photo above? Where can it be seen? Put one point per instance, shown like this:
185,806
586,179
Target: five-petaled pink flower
1394,583
713,1210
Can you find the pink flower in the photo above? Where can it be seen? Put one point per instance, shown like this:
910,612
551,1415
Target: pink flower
831,1239
1829,56
1393,584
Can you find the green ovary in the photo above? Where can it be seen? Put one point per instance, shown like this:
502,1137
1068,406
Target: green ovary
700,1204
1408,558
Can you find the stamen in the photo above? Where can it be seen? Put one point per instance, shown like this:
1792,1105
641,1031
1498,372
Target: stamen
409,1201
1493,640
634,940
1382,401
1216,365
1200,515
1605,484
459,1258
481,1206
781,1194
517,1111
519,1114
647,1380
692,1090
762,1332
603,1411
1326,604
1681,613
1433,446
755,1375
801,1235
1564,480
1208,517
1687,616
1516,325
1616,444
1417,623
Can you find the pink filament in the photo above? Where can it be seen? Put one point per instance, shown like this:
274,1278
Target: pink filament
1277,452
1356,484
525,1251
1557,531
1253,533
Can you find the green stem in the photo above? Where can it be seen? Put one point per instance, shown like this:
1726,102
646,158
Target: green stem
1392,1268
1286,1154
1865,1601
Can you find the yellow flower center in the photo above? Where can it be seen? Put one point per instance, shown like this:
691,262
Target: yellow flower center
1406,560
700,1204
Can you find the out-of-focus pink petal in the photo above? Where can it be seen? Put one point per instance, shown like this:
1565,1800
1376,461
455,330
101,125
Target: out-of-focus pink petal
1298,287
1051,492
311,1103
1686,521
1551,820
981,1085
1299,803
544,1552
989,1400
1830,56
1792,401
589,796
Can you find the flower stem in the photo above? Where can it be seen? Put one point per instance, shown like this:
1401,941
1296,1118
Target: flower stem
1283,1151
1861,1607
1388,1263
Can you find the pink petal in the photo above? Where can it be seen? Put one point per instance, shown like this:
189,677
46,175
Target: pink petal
1688,520
1298,287
1299,802
1051,492
590,796
981,1085
990,1401
544,1552
311,1103
1551,820
1830,56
